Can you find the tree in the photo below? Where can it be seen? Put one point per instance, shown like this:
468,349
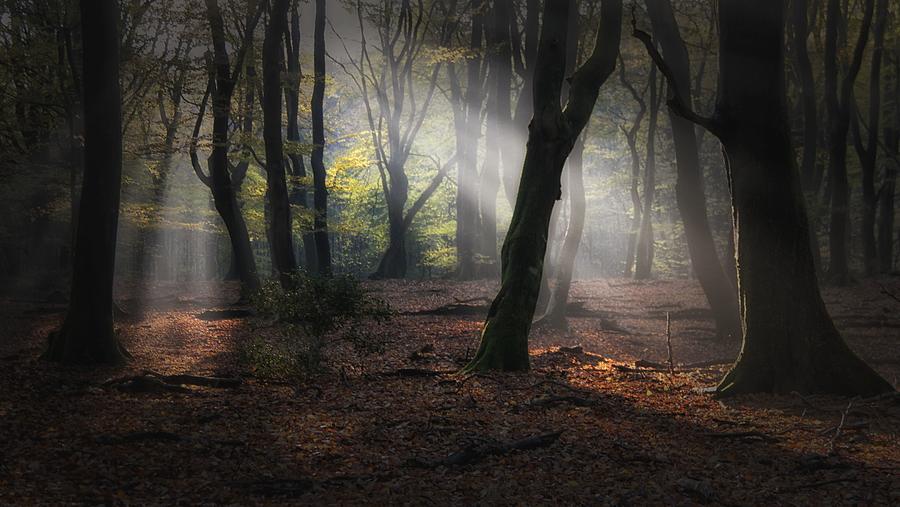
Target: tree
298,192
631,138
317,159
644,252
220,89
716,284
889,185
467,105
838,98
789,340
552,135
280,233
87,334
867,149
403,30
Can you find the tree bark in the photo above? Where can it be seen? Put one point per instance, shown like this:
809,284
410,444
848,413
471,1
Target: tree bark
317,159
298,191
838,98
280,234
87,334
867,149
720,294
552,135
888,187
790,343
644,245
219,179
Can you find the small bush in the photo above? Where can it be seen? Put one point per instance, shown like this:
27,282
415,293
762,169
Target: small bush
314,308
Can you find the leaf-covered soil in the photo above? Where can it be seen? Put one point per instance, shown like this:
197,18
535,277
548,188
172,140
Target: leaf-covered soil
585,426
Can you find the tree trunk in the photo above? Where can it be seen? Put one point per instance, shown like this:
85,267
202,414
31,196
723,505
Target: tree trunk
87,334
559,299
644,246
790,343
867,149
552,135
720,294
223,192
838,100
512,166
299,191
317,159
281,241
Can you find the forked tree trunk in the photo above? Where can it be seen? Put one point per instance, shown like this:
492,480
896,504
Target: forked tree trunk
552,135
720,293
220,183
87,334
790,343
280,234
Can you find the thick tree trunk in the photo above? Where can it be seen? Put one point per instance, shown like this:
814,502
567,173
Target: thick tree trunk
317,159
790,343
281,241
720,294
552,135
87,334
393,263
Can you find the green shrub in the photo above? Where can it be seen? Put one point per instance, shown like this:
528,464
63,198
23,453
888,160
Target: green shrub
313,309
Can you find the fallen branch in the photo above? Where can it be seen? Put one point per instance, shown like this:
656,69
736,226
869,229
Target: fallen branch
472,454
151,382
840,428
741,434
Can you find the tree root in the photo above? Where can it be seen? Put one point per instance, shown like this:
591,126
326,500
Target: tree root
472,453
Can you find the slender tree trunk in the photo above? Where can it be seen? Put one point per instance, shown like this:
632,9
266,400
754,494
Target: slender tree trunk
280,234
223,192
552,135
720,294
644,245
87,334
790,343
867,149
512,170
559,299
299,191
888,187
320,193
838,99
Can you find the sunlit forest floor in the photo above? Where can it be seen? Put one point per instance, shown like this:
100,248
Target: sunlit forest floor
587,425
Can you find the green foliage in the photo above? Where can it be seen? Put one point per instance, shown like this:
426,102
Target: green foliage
314,308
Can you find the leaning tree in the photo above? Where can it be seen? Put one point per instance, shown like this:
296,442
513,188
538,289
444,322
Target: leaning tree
789,340
552,135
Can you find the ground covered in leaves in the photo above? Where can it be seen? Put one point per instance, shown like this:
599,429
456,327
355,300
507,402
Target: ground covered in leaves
599,420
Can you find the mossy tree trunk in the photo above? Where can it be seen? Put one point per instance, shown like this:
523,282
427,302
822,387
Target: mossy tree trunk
789,340
552,135
87,335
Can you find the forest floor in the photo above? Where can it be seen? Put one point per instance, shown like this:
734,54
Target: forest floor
587,425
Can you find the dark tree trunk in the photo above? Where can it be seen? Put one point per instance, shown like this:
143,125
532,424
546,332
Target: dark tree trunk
280,234
220,183
644,245
87,334
720,294
888,188
317,159
524,102
867,149
559,297
298,191
838,98
790,343
552,135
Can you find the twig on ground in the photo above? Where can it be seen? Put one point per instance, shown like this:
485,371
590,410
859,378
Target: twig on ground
840,428
669,343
